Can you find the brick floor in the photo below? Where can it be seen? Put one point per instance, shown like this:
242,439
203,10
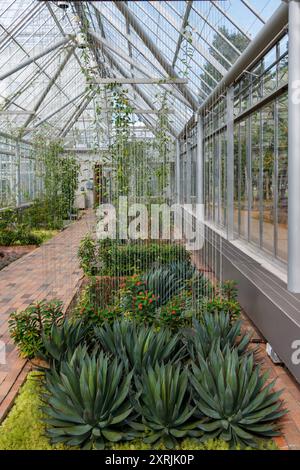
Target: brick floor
51,271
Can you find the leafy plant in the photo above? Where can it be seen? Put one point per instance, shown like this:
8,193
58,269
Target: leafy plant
139,346
164,405
127,259
87,401
229,290
168,280
137,300
174,314
236,400
26,327
216,331
62,340
219,304
87,255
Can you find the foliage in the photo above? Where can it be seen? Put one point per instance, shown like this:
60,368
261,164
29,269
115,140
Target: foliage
139,346
216,331
87,401
19,236
24,427
168,280
137,299
8,218
235,398
62,340
113,258
87,254
164,405
174,313
59,175
26,327
229,290
219,304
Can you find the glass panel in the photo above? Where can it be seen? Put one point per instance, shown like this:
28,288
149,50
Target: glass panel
244,180
268,176
255,172
282,181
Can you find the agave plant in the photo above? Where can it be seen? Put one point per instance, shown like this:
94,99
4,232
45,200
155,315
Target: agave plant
87,401
63,340
164,405
139,346
168,280
216,330
235,398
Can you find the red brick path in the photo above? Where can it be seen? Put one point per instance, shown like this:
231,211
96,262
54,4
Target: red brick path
51,271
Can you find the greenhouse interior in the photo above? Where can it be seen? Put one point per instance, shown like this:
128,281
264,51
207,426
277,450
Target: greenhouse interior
150,225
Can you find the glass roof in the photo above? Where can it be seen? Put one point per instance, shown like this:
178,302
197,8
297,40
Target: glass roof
195,41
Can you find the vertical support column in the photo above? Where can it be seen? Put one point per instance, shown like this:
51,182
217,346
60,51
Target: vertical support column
230,164
293,148
200,162
177,171
18,175
188,182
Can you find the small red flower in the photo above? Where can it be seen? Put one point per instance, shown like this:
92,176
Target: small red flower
140,306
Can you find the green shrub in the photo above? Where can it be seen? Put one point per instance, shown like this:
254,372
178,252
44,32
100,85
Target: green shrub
26,327
24,427
236,400
216,331
164,405
138,345
126,260
87,255
219,304
114,258
19,236
61,341
87,402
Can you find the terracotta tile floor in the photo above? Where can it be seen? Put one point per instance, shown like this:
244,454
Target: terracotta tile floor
51,271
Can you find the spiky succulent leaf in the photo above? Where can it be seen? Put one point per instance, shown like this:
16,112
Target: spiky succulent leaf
234,397
164,404
139,346
87,401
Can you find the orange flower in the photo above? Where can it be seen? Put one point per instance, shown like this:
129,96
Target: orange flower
150,301
173,311
140,306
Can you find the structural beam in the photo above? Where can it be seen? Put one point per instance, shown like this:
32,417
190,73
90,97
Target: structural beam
195,44
200,162
230,163
262,42
183,26
177,171
74,118
147,40
293,148
35,57
133,63
140,81
49,86
139,111
49,116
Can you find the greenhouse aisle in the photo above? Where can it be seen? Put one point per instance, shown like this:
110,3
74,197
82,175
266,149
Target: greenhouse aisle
49,272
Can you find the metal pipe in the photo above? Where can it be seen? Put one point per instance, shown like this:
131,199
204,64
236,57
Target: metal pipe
271,29
293,148
29,61
154,50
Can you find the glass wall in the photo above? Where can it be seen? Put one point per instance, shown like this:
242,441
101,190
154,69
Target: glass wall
260,155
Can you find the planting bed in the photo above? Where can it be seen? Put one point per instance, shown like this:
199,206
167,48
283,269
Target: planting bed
9,254
155,359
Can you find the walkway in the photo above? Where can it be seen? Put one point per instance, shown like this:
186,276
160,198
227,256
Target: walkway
49,272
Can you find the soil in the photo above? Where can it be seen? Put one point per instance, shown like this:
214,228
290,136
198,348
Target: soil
9,254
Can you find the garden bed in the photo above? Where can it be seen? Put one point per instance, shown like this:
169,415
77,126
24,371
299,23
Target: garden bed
160,352
9,254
